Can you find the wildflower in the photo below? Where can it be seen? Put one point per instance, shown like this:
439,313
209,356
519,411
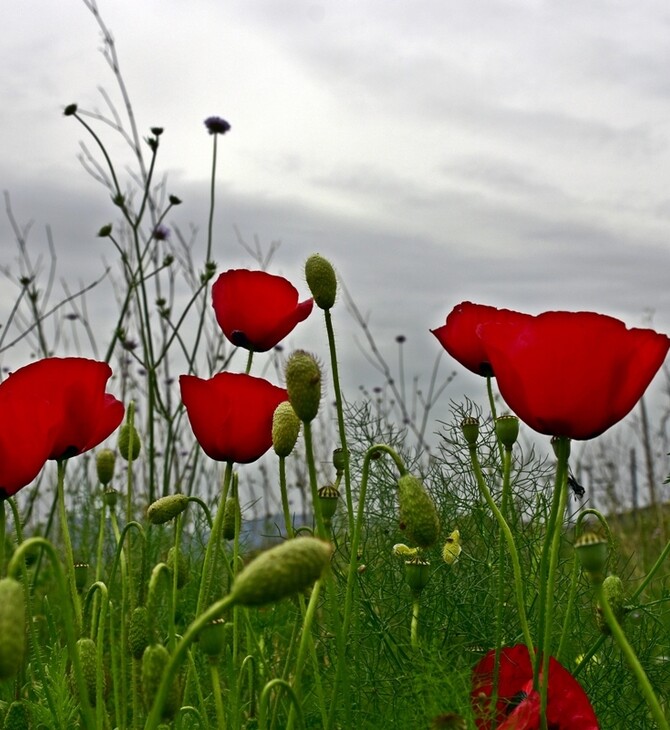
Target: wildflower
256,310
518,703
161,232
571,374
74,389
217,125
452,548
231,414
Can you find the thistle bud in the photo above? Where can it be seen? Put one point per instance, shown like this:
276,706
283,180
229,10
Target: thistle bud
321,281
507,430
616,597
154,661
328,497
592,552
285,429
138,632
12,627
167,508
417,574
281,571
182,566
104,464
470,429
230,515
417,513
129,442
303,383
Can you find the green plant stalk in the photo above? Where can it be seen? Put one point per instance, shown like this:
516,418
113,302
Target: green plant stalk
216,691
314,487
16,565
284,497
98,590
213,542
175,581
633,662
98,562
205,509
494,415
248,666
341,428
265,698
193,670
161,574
119,719
550,550
67,544
511,546
414,629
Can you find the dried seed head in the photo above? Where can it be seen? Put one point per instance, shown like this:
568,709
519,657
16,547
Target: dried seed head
281,571
417,513
166,508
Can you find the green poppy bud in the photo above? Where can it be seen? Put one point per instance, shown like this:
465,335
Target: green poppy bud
303,383
281,571
417,513
470,429
138,632
154,661
129,442
616,597
321,280
231,512
12,627
167,508
507,430
104,464
183,572
87,650
17,717
285,429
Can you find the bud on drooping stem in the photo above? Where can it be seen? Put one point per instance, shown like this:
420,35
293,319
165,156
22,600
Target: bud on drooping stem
616,596
417,513
166,508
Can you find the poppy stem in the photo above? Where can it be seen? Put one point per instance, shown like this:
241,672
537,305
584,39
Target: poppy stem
494,414
284,497
67,543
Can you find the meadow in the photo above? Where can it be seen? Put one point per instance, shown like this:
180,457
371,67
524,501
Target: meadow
395,586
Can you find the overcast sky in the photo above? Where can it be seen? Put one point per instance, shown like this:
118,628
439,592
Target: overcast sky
509,152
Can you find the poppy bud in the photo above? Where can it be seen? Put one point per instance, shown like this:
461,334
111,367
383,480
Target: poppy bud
129,442
417,574
105,230
470,429
69,110
321,280
328,497
285,429
12,627
138,632
592,552
81,575
417,513
154,661
104,464
303,383
17,717
231,511
214,636
87,650
281,571
167,508
182,566
616,597
507,430
340,457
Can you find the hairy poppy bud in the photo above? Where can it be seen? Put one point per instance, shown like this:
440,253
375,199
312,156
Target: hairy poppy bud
129,442
616,597
321,281
104,464
285,429
470,429
154,661
417,574
230,515
303,383
167,508
12,627
138,632
17,717
281,571
592,552
87,650
507,430
328,497
417,513
182,566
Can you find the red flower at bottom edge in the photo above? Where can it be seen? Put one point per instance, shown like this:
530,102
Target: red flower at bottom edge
518,705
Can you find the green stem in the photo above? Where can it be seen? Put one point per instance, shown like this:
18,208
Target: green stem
414,631
265,698
67,544
311,467
284,497
218,699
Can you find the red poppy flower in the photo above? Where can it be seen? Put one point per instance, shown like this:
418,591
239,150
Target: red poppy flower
29,427
74,389
459,335
518,704
571,374
256,310
231,414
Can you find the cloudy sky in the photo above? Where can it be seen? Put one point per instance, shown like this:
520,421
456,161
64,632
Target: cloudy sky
510,152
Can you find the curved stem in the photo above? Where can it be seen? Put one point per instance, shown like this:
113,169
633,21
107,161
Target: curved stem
265,697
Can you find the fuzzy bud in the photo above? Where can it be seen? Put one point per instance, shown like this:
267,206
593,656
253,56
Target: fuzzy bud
321,280
12,627
17,717
167,508
507,430
230,515
87,650
183,572
616,597
285,429
417,574
470,429
129,442
154,661
417,513
281,571
138,632
303,383
104,464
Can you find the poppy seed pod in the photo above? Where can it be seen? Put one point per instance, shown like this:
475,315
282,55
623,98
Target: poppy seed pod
285,429
12,627
129,442
104,464
167,508
214,636
81,575
470,429
281,571
340,457
321,280
507,430
110,497
328,498
417,574
417,513
303,383
592,552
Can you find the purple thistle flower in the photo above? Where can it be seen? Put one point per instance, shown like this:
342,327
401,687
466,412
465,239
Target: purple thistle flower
217,125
